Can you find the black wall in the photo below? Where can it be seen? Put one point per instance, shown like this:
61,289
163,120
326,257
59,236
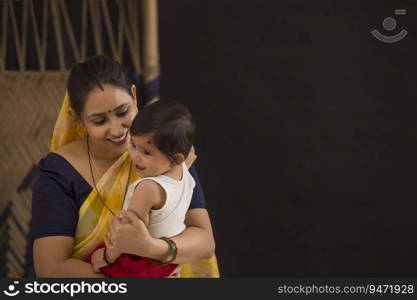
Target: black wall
306,131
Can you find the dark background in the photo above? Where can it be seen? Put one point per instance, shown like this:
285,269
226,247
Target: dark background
306,131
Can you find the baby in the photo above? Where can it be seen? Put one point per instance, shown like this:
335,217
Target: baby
161,137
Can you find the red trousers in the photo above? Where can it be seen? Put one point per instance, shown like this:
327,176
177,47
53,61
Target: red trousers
132,266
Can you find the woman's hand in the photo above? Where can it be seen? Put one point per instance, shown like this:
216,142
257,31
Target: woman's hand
129,237
97,260
191,157
195,243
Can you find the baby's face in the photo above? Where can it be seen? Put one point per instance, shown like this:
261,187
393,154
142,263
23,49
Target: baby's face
148,160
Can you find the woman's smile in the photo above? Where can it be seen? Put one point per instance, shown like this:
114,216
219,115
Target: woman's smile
119,141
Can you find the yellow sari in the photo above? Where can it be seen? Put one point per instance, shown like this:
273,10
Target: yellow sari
94,217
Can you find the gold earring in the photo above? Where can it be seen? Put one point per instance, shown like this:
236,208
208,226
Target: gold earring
80,130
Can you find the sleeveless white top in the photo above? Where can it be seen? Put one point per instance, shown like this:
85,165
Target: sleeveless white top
168,221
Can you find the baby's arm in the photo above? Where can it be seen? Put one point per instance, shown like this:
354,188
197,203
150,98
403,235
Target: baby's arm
98,261
148,195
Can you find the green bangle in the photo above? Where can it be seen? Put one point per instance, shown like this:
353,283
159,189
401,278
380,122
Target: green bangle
173,248
172,252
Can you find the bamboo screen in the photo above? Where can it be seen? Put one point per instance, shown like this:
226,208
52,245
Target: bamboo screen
39,41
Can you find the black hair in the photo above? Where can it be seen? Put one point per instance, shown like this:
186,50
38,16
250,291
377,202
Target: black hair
171,125
94,72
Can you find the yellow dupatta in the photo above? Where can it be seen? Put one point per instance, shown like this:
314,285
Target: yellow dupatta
94,217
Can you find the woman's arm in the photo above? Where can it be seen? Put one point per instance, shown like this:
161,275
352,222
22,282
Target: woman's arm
52,258
195,243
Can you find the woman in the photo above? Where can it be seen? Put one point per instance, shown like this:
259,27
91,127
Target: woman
82,184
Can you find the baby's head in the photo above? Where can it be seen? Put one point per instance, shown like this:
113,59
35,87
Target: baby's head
161,137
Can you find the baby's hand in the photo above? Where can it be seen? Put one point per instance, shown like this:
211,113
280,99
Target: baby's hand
97,260
113,255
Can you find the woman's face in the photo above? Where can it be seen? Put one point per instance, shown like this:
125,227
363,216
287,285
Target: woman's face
107,117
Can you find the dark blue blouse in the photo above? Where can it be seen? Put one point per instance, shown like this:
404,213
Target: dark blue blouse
59,193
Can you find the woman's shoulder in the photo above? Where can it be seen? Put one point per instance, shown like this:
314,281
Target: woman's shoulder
52,162
60,166
61,160
70,150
